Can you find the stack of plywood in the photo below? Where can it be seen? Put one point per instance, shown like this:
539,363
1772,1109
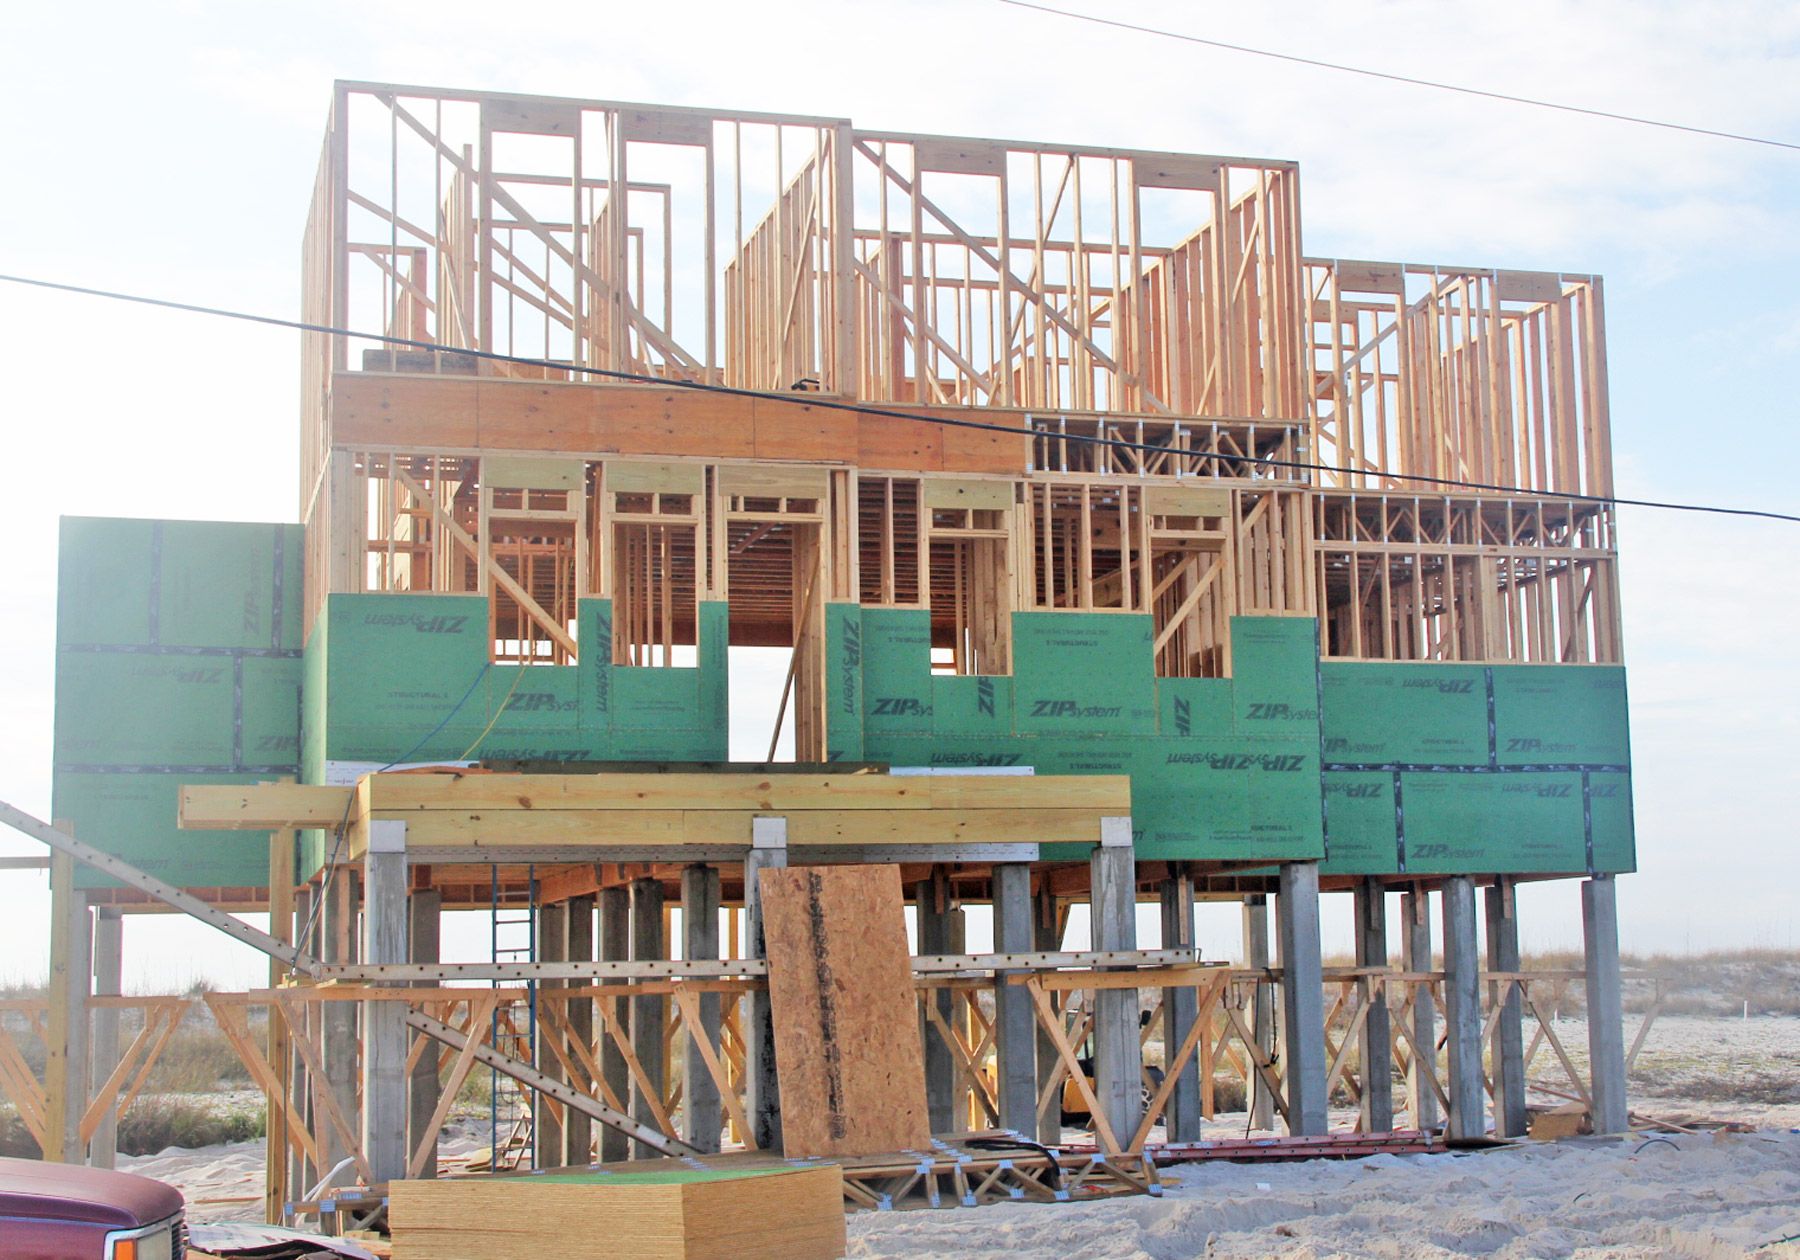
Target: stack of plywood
665,1214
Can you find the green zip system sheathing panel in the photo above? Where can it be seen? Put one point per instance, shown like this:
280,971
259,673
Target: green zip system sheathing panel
385,671
1230,769
1572,715
1359,814
177,661
1422,714
1489,769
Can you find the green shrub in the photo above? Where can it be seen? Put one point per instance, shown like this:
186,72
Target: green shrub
157,1123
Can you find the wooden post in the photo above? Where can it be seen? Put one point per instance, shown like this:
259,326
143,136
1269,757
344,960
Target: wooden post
1257,957
337,944
1047,935
1181,1119
936,912
551,923
1508,1056
615,946
768,848
66,1034
281,927
1605,1005
1302,999
109,960
1377,1035
1462,1010
1421,1098
1118,1056
649,1013
423,945
702,1125
300,1173
578,1127
1015,1052
384,1035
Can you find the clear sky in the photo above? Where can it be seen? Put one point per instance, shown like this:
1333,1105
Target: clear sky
170,149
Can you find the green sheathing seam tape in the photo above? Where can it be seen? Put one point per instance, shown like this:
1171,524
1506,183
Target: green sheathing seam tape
177,661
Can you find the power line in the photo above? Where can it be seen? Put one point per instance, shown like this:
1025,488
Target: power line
822,403
1406,79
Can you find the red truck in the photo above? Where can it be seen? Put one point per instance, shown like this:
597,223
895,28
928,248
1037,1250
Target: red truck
67,1212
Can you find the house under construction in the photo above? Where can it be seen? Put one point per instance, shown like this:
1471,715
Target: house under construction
1119,550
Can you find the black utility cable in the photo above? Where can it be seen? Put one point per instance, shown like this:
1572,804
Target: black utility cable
1406,79
823,403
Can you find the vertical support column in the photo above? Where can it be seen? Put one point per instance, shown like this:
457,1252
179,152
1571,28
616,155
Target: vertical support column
552,926
649,1012
1605,1003
1302,998
109,957
578,1129
1181,1119
276,1145
301,1175
423,945
1015,1052
702,1124
1462,1010
1047,937
1421,1098
66,1032
337,944
768,848
1377,1035
1508,1057
615,946
1118,1055
384,1037
937,930
1257,957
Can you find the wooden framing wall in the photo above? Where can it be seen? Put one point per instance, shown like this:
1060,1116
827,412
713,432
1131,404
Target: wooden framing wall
1124,323
1497,377
1467,579
778,541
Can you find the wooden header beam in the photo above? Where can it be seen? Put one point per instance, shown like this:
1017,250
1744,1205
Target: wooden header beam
412,797
506,814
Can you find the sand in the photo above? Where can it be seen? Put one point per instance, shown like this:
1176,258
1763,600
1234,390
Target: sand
225,1182
220,1183
1700,1196
1692,1196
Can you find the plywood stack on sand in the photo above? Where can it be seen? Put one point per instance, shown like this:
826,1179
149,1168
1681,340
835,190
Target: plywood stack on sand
841,994
667,1214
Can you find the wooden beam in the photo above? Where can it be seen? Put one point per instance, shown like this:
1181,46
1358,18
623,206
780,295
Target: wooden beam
402,796
262,807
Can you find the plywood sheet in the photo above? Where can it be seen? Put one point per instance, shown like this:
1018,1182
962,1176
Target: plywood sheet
840,983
